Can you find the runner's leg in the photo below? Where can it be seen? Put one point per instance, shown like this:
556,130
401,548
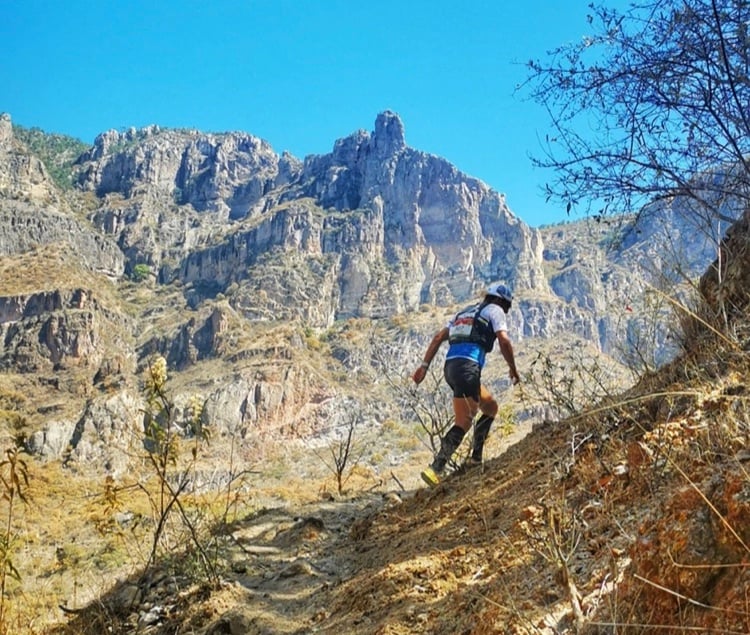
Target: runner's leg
488,407
464,409
463,376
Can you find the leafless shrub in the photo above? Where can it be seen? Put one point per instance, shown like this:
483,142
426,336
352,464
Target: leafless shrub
345,453
14,479
556,532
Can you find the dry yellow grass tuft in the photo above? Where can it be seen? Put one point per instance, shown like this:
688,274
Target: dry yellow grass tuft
48,267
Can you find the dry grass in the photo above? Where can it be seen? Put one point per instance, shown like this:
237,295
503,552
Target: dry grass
48,267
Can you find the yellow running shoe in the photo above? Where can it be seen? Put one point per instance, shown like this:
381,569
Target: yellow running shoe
430,477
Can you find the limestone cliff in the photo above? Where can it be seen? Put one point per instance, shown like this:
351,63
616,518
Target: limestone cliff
234,262
391,226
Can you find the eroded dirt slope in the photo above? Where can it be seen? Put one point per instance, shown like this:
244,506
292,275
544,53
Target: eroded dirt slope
635,515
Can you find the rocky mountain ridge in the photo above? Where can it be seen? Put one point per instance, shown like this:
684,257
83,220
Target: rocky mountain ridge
232,236
393,227
291,298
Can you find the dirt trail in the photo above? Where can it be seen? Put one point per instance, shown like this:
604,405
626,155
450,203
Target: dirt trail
336,566
286,556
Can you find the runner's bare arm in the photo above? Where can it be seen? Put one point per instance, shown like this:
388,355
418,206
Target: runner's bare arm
506,348
430,353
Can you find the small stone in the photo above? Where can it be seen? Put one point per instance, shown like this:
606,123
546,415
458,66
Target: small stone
239,567
127,596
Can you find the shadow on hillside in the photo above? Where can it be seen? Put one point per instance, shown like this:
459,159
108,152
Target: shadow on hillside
273,562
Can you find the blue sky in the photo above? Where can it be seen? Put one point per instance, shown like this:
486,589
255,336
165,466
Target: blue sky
299,74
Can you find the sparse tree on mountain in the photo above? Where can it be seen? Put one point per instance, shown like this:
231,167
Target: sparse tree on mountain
655,103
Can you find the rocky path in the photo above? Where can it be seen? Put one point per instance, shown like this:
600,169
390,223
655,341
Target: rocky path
276,562
283,557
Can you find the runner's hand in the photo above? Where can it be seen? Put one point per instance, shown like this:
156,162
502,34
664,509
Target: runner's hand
419,375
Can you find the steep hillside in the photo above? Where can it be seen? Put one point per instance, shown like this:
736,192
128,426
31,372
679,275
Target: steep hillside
631,517
287,301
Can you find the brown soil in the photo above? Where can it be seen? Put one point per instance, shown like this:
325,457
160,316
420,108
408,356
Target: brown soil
632,518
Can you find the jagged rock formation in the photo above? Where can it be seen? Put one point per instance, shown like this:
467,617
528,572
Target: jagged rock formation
25,226
235,236
390,227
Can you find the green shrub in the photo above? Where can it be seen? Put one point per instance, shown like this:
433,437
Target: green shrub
141,272
57,152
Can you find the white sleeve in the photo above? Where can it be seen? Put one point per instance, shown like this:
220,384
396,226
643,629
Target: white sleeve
497,318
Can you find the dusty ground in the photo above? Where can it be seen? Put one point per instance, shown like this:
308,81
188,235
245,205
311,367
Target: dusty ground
632,520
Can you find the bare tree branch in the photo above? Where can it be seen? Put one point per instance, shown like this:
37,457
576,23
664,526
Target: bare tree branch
654,104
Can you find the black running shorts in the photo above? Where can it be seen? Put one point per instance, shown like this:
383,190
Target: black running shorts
464,377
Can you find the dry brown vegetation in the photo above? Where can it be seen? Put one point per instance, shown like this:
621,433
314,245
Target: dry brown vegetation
630,518
44,268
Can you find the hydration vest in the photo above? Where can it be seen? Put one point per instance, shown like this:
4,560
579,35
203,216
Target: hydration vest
468,327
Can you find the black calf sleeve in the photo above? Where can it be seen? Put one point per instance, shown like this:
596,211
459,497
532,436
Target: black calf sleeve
448,446
481,430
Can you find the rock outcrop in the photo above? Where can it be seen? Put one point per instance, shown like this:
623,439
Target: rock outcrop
233,236
22,175
25,226
390,227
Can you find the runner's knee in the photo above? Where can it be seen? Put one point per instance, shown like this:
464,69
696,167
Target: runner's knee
464,410
489,407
